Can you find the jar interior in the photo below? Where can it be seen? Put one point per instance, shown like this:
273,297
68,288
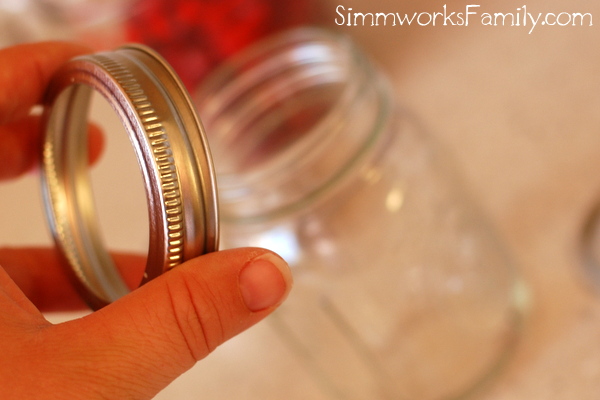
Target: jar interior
269,108
277,125
286,120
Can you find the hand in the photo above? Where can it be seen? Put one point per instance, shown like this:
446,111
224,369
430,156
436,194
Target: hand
136,346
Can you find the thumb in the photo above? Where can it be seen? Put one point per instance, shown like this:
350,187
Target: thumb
136,346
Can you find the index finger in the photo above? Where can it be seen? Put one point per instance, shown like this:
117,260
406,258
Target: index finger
25,72
41,275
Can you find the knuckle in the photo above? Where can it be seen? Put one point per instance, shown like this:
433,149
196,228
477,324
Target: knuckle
198,314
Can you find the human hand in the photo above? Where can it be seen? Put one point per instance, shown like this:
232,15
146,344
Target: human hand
136,346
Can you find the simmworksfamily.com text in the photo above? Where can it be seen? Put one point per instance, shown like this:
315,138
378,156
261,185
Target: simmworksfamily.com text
469,15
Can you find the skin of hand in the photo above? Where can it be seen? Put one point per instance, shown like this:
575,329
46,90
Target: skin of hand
136,346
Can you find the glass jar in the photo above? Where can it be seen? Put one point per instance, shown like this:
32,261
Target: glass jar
402,291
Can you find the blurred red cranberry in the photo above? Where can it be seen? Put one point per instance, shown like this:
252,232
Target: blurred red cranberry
196,35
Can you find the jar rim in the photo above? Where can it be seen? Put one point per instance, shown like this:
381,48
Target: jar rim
315,57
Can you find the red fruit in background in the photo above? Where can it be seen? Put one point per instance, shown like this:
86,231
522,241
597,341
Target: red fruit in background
196,35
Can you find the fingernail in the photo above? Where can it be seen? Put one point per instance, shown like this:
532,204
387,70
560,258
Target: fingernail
265,282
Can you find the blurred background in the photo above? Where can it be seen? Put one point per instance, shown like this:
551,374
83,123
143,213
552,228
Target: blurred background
518,111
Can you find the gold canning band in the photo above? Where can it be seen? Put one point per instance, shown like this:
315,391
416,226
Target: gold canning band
172,151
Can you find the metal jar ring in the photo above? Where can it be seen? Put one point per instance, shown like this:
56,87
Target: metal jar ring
172,151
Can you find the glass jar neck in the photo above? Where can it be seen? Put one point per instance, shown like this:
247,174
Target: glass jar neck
289,119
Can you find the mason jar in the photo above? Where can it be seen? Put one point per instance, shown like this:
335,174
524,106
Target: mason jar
402,290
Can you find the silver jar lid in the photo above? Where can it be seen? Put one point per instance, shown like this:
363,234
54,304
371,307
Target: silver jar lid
172,151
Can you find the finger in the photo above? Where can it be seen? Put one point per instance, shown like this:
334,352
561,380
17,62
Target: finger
43,277
136,346
21,146
14,305
26,70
